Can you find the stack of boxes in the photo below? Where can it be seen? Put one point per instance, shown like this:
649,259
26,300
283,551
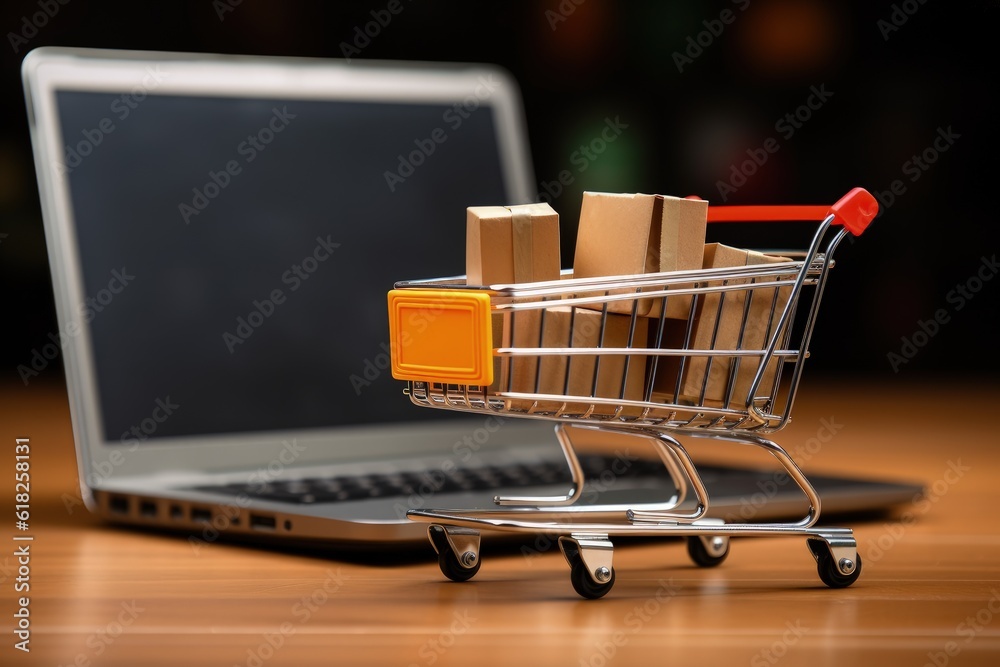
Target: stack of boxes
621,235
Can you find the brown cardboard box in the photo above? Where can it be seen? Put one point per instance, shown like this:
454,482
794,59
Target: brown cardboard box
628,234
562,326
511,244
759,327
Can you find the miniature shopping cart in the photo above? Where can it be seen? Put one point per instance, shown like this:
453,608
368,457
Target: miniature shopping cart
726,369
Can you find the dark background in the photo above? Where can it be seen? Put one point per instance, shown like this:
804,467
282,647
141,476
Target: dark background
579,65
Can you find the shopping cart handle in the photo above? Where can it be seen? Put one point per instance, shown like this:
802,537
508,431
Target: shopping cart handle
855,211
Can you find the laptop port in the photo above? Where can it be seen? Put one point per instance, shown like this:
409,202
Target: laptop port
147,508
118,504
258,522
201,514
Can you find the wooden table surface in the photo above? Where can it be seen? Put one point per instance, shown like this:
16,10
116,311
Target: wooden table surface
929,594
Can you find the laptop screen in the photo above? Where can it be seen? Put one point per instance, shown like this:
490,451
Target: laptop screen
236,253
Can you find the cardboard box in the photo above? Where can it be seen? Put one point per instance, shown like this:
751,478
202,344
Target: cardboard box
629,234
728,313
511,244
562,374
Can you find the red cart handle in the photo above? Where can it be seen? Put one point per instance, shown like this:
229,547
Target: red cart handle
855,211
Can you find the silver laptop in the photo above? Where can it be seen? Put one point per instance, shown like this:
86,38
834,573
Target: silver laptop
222,232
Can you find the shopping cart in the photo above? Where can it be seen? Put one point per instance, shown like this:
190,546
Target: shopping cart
562,350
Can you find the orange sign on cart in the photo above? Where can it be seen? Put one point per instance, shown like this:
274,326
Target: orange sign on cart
441,336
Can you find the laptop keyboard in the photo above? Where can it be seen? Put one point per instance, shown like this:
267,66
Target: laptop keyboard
484,478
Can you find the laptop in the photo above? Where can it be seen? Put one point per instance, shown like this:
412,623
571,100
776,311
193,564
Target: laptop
222,232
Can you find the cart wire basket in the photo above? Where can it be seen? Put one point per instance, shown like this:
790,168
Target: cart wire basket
720,359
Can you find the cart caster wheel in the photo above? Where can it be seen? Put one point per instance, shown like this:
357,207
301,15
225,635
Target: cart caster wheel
596,579
829,573
453,569
585,585
458,551
702,555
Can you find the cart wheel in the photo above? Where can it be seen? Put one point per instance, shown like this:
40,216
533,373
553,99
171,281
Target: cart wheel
585,585
700,554
454,570
829,573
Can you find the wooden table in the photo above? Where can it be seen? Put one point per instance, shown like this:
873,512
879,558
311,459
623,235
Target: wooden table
930,592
